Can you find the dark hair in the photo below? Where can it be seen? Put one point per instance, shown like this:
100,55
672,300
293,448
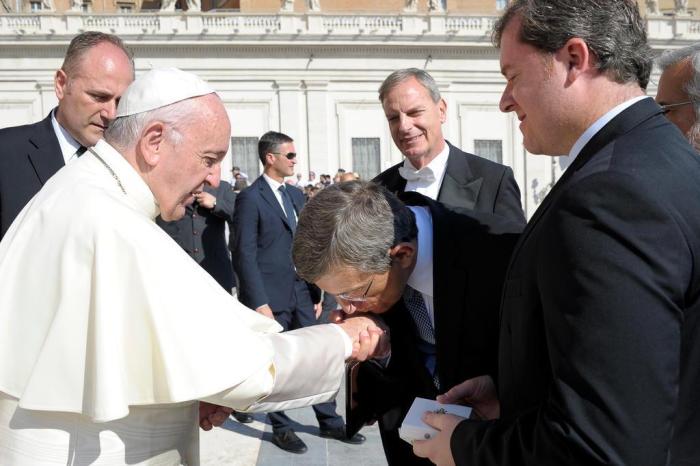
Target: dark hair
352,224
612,29
270,142
82,43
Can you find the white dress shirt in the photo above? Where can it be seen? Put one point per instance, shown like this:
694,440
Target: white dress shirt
69,146
429,177
598,125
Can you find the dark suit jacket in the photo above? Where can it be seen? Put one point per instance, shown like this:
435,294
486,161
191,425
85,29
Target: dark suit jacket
29,155
202,234
599,358
471,183
262,247
470,256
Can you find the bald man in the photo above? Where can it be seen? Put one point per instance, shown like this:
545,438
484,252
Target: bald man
96,70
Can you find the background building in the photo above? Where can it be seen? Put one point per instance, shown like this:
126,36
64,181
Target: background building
308,68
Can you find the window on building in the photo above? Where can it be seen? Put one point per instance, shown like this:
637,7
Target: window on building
244,151
35,6
126,8
365,157
489,149
86,7
501,4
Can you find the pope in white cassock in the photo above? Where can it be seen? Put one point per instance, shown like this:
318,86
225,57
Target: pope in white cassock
109,332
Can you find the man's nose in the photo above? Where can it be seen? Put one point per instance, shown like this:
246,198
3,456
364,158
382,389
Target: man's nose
109,110
214,177
506,103
405,123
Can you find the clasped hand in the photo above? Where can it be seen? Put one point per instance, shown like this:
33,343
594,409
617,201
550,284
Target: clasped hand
369,334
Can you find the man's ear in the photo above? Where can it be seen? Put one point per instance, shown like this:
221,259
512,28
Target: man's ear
442,107
403,253
577,58
60,82
150,144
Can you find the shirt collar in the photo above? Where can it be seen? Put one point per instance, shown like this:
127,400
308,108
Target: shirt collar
67,142
436,166
274,184
421,278
599,124
137,191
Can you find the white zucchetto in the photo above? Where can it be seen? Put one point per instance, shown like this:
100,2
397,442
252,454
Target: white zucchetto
160,87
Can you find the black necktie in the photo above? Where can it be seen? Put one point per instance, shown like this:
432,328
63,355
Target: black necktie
81,150
288,208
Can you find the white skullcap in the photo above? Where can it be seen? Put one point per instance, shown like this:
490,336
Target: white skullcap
158,88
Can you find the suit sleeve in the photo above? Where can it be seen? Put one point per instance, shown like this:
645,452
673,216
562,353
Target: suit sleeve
251,289
508,198
225,202
613,268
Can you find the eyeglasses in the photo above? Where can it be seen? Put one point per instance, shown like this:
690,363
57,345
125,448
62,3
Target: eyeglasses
668,107
356,299
288,155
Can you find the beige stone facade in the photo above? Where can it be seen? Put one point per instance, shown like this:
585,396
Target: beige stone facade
663,7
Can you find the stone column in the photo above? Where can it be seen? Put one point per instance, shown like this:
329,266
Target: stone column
322,157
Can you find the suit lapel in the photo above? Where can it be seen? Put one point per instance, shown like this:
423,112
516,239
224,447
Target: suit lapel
269,197
449,292
45,156
393,181
459,187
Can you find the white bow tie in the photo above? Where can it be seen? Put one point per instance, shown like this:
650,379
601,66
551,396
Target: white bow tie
424,174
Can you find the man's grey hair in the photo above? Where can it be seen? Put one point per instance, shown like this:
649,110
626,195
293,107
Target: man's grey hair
399,76
353,225
124,132
613,30
692,87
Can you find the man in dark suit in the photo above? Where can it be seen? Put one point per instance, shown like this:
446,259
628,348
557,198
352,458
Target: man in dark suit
434,275
599,352
96,70
434,167
264,224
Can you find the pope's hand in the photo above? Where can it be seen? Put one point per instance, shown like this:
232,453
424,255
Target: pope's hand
211,415
479,393
369,335
437,449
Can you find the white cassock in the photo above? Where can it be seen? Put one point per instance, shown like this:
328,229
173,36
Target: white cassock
109,331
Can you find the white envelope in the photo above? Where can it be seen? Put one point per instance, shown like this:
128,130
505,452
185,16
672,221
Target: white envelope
413,428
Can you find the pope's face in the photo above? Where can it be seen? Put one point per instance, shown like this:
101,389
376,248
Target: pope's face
194,160
415,121
88,95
